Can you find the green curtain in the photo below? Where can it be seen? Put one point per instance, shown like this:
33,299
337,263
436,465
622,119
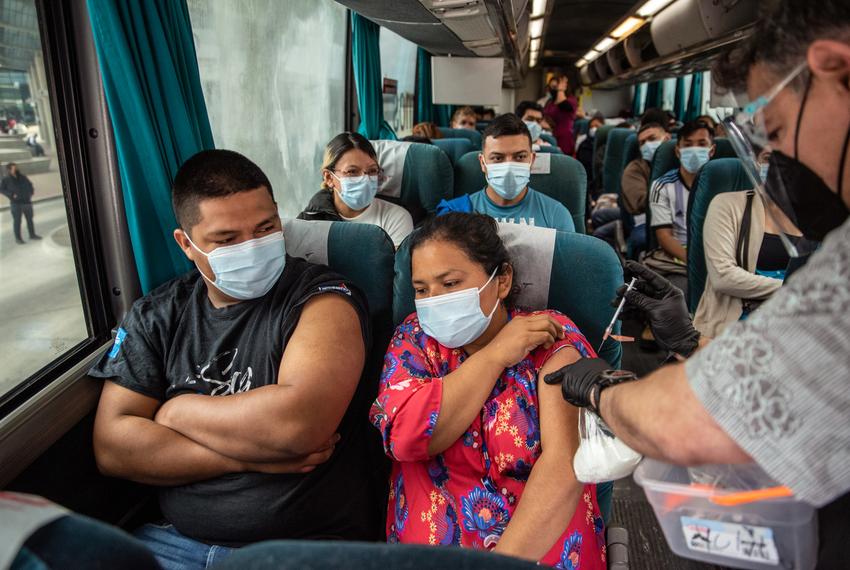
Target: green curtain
679,101
694,108
153,91
366,58
637,108
424,105
654,95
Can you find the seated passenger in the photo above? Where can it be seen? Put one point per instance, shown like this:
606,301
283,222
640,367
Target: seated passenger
532,115
350,179
562,107
737,281
506,161
635,181
481,450
227,388
668,201
427,130
488,114
464,118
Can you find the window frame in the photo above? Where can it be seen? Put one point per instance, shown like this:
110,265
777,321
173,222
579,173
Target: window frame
58,24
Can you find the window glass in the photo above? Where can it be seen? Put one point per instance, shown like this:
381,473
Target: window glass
273,76
41,311
398,66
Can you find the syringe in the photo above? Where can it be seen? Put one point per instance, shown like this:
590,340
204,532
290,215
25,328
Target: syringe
616,314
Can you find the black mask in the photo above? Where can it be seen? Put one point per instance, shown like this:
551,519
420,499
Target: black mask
806,200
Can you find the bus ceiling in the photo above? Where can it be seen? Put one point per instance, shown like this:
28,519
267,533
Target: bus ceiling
602,44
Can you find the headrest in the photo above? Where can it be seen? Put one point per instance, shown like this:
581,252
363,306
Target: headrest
391,157
473,136
419,175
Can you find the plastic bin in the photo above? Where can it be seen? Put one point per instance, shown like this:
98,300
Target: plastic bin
777,533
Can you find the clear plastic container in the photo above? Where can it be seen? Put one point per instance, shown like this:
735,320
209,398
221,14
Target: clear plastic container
776,533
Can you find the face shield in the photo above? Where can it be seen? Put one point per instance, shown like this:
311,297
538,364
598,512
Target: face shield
749,137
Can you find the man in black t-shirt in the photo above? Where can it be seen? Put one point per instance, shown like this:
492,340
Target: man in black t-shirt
235,388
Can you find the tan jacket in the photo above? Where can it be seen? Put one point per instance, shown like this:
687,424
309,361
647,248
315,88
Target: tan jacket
727,283
635,186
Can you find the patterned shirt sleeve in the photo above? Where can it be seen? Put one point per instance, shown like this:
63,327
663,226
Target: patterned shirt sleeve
409,397
572,338
777,382
659,205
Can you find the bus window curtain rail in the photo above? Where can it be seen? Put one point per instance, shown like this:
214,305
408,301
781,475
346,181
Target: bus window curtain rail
153,91
366,58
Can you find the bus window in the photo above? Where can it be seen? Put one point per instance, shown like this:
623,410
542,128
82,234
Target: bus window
41,310
398,66
273,76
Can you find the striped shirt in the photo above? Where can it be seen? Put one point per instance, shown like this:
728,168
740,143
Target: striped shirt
668,203
779,382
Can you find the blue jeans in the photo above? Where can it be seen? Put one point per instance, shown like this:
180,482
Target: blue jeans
174,551
637,241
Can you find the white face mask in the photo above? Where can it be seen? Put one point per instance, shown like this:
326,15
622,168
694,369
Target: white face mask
591,132
455,319
508,179
247,270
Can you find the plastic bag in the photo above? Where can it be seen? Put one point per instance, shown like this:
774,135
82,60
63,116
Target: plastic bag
601,455
744,477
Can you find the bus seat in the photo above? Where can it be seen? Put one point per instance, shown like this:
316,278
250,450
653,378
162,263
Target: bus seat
480,126
631,151
362,252
454,148
581,126
723,148
546,137
600,140
549,149
718,176
473,136
419,176
566,182
572,273
612,165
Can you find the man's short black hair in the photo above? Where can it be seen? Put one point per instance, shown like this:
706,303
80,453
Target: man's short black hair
506,125
655,115
781,38
212,174
525,106
691,127
647,126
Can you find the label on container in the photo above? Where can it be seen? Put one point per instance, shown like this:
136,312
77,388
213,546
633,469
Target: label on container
739,541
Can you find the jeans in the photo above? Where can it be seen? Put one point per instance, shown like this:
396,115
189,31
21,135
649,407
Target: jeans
637,241
174,551
19,210
75,541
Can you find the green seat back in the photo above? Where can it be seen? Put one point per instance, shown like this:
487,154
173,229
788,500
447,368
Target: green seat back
473,136
583,277
549,149
427,177
612,165
723,148
566,182
718,176
581,126
454,148
599,140
546,137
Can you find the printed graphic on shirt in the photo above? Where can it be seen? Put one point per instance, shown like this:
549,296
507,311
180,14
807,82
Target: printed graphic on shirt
341,288
519,221
218,377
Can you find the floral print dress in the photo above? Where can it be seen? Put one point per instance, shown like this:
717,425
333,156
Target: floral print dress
465,496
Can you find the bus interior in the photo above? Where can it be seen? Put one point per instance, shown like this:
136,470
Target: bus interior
275,81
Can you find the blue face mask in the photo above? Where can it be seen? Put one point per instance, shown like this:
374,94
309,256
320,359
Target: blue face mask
247,270
534,129
647,151
763,168
508,179
455,319
694,157
357,192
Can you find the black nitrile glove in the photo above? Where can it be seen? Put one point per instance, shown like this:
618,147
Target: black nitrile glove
583,381
663,305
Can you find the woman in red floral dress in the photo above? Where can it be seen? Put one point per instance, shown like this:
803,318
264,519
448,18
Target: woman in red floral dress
482,453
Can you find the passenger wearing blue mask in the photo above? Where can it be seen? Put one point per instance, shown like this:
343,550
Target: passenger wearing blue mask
351,178
478,444
506,161
668,202
635,180
218,392
532,115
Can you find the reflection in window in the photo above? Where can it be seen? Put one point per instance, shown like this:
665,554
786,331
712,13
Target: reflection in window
41,312
398,65
273,76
